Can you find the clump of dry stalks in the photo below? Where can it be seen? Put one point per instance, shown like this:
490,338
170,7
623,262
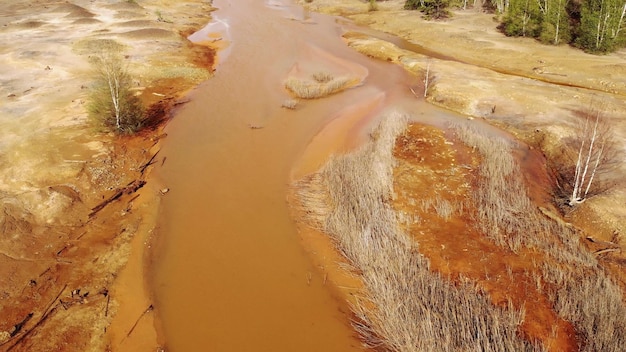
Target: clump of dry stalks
579,288
405,306
589,299
320,84
504,211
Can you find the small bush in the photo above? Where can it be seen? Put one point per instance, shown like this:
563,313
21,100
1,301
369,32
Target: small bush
373,6
432,9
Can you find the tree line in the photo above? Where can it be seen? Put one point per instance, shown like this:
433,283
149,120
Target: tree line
594,26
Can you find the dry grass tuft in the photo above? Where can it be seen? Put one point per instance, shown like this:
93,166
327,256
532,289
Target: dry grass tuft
405,306
290,104
593,302
505,212
501,196
320,85
322,77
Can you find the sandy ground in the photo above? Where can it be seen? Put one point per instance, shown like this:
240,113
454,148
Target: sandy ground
68,280
529,89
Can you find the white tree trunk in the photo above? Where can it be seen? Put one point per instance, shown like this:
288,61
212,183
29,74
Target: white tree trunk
427,80
595,168
621,19
114,88
588,156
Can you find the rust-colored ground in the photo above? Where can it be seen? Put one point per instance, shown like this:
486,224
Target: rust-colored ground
433,166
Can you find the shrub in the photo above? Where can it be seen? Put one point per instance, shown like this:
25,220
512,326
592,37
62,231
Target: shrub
433,9
373,6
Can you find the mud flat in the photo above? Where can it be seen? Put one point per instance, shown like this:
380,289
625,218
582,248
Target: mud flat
71,271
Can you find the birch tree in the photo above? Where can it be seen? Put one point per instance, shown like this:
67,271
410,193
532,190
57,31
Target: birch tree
502,6
112,103
596,156
522,19
555,27
601,25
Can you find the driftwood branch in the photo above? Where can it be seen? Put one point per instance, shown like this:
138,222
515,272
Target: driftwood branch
129,189
150,162
149,309
607,250
18,327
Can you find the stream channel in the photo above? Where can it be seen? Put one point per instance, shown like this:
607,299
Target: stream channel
230,272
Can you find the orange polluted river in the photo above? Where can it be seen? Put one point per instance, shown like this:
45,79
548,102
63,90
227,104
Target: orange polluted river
230,273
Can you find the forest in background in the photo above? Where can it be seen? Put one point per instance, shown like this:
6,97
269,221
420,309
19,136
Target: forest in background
594,26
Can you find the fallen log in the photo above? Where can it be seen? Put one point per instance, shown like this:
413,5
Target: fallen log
129,189
18,327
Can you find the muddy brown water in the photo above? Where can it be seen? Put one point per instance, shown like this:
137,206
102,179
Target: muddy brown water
230,273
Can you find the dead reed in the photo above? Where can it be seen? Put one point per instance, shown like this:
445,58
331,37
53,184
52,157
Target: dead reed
320,84
578,287
592,302
505,212
500,197
405,306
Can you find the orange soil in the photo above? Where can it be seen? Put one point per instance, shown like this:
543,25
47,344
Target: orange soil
429,168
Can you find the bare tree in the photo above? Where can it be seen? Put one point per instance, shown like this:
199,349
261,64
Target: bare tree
112,102
595,158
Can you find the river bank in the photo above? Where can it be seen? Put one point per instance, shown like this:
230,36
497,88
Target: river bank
77,217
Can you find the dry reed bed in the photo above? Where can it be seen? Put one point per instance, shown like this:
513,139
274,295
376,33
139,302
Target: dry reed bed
405,306
579,288
319,85
505,213
593,303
